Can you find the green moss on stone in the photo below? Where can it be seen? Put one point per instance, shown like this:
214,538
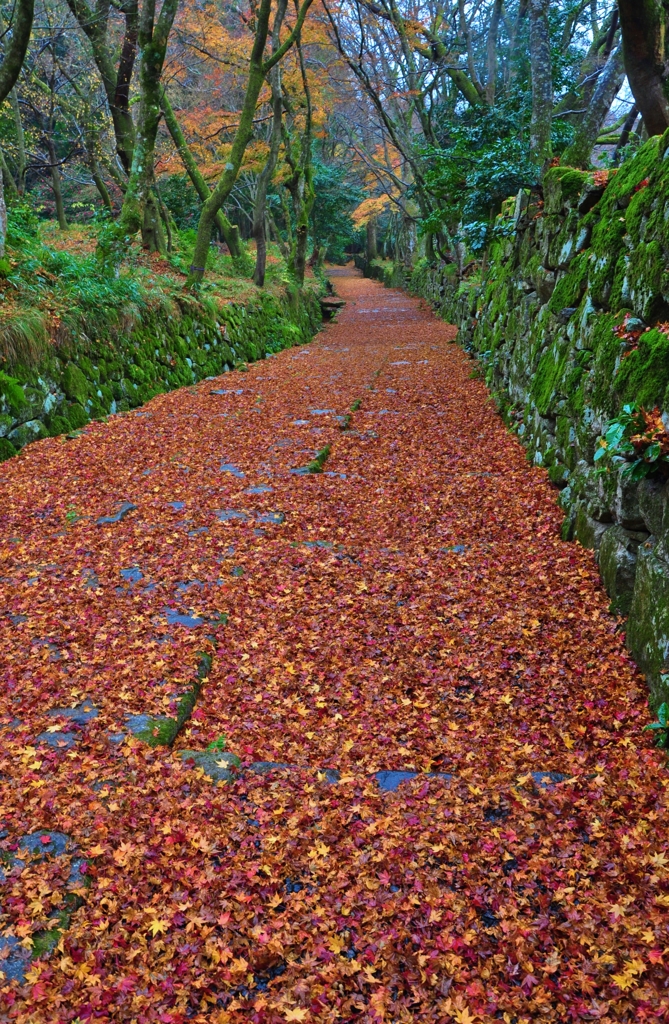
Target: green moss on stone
548,376
648,622
638,208
563,185
570,288
77,416
644,374
7,449
646,267
74,384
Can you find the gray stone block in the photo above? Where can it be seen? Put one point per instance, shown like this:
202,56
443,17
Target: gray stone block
648,623
617,564
589,531
652,498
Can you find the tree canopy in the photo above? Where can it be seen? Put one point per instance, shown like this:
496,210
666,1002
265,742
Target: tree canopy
325,126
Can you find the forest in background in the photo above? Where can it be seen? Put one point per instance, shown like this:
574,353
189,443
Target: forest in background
260,138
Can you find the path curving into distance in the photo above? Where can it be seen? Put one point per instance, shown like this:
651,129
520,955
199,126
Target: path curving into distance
430,797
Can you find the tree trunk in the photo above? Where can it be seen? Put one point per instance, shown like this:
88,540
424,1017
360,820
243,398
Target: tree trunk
15,51
372,250
7,178
94,23
542,82
102,188
55,183
265,176
301,183
643,24
153,45
3,221
230,232
491,54
264,179
212,205
587,132
627,129
257,72
21,161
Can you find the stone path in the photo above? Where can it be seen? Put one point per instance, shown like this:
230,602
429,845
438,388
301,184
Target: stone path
327,718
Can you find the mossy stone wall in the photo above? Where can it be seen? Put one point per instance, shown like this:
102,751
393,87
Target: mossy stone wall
559,278
180,342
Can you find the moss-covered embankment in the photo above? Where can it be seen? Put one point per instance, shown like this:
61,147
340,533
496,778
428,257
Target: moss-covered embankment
560,277
179,341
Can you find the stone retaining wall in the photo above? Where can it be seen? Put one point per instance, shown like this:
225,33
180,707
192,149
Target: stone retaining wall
175,345
559,278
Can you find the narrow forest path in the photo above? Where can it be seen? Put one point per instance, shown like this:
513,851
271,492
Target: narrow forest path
410,609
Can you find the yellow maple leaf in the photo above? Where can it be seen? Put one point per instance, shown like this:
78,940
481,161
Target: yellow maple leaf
568,741
296,1014
156,926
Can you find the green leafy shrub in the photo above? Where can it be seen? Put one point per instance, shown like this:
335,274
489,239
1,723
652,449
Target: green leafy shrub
12,392
640,438
661,726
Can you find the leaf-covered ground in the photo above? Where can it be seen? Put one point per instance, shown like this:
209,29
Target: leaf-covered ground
411,608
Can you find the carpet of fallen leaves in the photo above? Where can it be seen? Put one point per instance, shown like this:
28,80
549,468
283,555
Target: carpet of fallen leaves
410,608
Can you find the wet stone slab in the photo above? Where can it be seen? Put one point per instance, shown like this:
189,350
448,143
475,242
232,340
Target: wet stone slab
58,740
175,618
123,511
143,726
261,489
80,714
14,959
132,575
229,467
277,518
390,780
227,515
219,766
90,579
548,780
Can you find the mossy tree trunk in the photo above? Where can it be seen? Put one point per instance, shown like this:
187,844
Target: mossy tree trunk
542,81
258,70
54,167
587,132
10,69
21,160
491,52
230,232
153,36
644,31
264,179
626,133
265,176
372,249
301,182
94,23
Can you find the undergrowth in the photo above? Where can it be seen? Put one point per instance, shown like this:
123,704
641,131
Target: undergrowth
54,289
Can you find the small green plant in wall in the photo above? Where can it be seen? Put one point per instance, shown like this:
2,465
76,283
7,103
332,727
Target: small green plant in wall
640,438
661,727
218,745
